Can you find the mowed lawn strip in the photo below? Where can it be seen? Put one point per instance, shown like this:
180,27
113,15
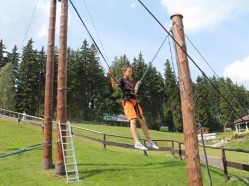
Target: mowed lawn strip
114,166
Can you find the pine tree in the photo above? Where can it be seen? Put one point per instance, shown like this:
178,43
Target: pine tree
150,91
117,95
139,67
13,57
76,85
225,110
118,63
28,88
172,102
213,99
55,79
98,88
7,87
202,102
41,73
3,55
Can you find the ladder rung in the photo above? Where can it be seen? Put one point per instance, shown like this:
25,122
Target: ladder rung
68,164
75,178
68,150
71,181
69,161
71,171
70,157
66,143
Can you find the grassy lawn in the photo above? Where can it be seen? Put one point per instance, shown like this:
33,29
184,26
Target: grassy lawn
237,144
111,167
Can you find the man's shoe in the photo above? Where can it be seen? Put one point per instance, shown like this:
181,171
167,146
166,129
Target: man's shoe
140,146
152,145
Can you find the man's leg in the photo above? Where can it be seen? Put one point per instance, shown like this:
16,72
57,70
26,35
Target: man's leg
133,129
151,144
143,124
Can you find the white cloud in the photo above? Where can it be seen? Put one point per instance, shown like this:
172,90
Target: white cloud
15,17
133,5
205,14
43,32
238,71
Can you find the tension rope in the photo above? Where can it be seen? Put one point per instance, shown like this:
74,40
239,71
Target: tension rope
29,148
192,60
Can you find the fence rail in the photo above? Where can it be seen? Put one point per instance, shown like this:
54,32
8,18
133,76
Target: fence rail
218,162
22,117
176,147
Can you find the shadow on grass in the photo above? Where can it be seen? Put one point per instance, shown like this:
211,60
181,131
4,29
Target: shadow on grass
122,167
220,173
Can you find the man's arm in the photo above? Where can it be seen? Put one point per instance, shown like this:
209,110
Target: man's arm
115,84
137,87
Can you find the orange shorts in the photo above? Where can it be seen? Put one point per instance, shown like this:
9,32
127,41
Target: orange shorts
130,111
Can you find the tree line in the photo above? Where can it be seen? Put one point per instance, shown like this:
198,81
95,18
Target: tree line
90,96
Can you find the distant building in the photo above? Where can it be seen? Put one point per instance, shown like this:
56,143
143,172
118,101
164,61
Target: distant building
118,119
242,124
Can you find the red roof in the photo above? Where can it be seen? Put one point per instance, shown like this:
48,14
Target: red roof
245,119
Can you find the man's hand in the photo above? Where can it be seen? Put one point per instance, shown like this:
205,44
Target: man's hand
111,73
137,86
113,79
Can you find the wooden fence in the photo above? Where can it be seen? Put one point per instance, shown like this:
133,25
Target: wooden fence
176,148
20,117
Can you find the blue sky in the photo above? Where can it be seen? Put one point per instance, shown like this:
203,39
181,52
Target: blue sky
219,29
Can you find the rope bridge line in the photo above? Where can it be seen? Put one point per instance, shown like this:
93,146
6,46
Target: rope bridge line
75,9
26,149
203,58
191,59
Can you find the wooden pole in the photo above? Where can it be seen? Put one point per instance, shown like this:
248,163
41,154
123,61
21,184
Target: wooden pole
224,164
61,85
172,148
48,108
188,111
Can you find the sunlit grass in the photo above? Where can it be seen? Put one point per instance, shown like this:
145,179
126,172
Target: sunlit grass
114,166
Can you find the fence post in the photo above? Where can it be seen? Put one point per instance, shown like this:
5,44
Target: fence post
180,150
18,119
224,164
172,147
43,126
104,139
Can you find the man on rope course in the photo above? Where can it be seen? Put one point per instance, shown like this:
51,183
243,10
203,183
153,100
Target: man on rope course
132,109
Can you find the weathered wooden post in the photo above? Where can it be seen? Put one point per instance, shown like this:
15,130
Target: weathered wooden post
48,105
187,104
172,148
61,116
224,164
104,139
180,151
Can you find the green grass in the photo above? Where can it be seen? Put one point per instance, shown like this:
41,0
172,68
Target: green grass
222,135
125,131
111,167
238,144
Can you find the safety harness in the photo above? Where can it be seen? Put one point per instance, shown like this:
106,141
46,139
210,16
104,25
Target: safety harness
135,106
125,99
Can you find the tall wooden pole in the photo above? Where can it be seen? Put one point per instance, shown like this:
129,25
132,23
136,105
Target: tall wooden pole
187,104
61,85
48,109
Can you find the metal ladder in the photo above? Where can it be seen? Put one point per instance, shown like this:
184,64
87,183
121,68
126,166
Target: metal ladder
69,157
